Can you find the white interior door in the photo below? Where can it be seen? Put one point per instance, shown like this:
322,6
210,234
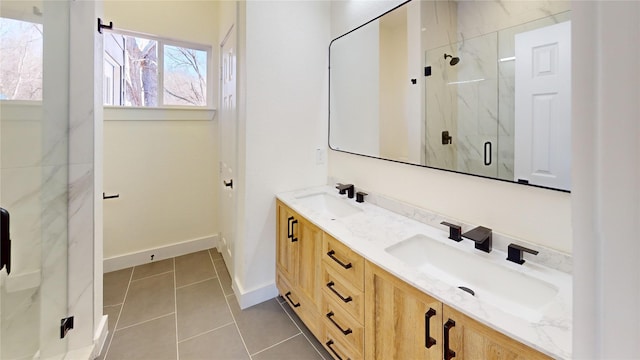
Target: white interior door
228,123
543,106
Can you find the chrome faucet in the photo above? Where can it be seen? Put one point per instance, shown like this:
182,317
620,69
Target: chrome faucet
482,236
348,189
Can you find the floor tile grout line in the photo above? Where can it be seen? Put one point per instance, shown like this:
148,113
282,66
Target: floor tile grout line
282,305
229,307
175,304
195,283
150,276
205,332
145,321
115,326
276,344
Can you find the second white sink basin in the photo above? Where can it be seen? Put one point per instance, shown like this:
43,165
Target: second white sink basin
331,205
513,291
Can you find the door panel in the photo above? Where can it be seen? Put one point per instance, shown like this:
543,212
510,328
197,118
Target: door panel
543,106
228,180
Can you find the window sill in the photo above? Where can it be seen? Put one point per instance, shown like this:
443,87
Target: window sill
118,113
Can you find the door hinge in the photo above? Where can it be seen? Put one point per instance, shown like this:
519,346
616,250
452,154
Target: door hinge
66,324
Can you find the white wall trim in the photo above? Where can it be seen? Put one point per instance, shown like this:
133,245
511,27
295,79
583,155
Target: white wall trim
100,337
163,252
256,296
119,113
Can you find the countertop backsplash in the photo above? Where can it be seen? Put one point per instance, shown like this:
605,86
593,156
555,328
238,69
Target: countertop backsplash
546,256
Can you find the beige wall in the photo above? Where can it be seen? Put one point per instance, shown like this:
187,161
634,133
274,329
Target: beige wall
165,174
164,170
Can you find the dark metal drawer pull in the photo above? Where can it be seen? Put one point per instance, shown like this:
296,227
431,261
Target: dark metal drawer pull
346,266
428,340
291,301
448,353
330,315
330,285
329,343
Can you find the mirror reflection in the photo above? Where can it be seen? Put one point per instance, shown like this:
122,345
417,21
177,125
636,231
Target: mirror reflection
476,87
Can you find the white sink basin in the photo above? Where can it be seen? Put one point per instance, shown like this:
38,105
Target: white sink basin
331,205
512,291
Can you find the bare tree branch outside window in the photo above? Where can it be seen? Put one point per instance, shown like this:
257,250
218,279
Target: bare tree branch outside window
185,76
20,60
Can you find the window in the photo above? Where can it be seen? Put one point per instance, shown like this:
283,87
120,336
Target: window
20,60
143,71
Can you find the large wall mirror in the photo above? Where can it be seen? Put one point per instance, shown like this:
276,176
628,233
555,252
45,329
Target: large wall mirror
477,87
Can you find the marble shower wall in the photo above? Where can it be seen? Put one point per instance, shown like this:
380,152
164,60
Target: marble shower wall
34,189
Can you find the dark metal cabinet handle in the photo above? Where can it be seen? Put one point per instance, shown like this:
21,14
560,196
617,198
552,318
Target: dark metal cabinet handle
330,315
228,184
290,223
331,254
287,295
329,343
289,232
448,353
5,241
293,238
105,196
330,285
487,154
428,340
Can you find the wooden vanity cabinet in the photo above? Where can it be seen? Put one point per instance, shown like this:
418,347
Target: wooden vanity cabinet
469,339
360,311
342,300
401,322
298,245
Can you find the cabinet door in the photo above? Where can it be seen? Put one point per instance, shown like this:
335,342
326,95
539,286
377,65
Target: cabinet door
285,249
468,339
401,322
309,245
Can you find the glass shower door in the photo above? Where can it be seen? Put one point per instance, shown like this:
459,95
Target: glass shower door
34,129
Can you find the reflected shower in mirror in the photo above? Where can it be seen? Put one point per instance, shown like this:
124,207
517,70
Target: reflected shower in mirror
475,87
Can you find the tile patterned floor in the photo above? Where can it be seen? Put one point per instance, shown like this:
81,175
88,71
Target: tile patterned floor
184,308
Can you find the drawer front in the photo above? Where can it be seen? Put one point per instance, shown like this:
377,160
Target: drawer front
305,310
343,260
344,325
349,297
338,347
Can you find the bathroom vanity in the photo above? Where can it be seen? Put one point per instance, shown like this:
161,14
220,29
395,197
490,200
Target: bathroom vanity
371,283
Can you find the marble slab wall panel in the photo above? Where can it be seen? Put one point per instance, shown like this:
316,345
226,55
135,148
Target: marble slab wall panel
20,323
477,103
440,110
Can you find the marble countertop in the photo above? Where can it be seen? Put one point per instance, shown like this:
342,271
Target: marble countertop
370,231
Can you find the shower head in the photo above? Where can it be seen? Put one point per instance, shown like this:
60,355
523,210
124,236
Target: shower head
454,60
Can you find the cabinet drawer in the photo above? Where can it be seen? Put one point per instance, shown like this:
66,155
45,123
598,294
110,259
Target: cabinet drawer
300,305
344,325
349,297
336,345
343,260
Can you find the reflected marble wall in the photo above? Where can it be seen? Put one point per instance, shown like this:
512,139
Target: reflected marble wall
474,100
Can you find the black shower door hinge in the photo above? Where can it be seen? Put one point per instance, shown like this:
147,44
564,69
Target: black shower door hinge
66,324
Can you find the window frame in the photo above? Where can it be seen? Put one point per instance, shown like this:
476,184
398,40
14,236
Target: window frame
161,41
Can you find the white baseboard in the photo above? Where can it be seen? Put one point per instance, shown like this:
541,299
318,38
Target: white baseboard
100,336
160,253
256,296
